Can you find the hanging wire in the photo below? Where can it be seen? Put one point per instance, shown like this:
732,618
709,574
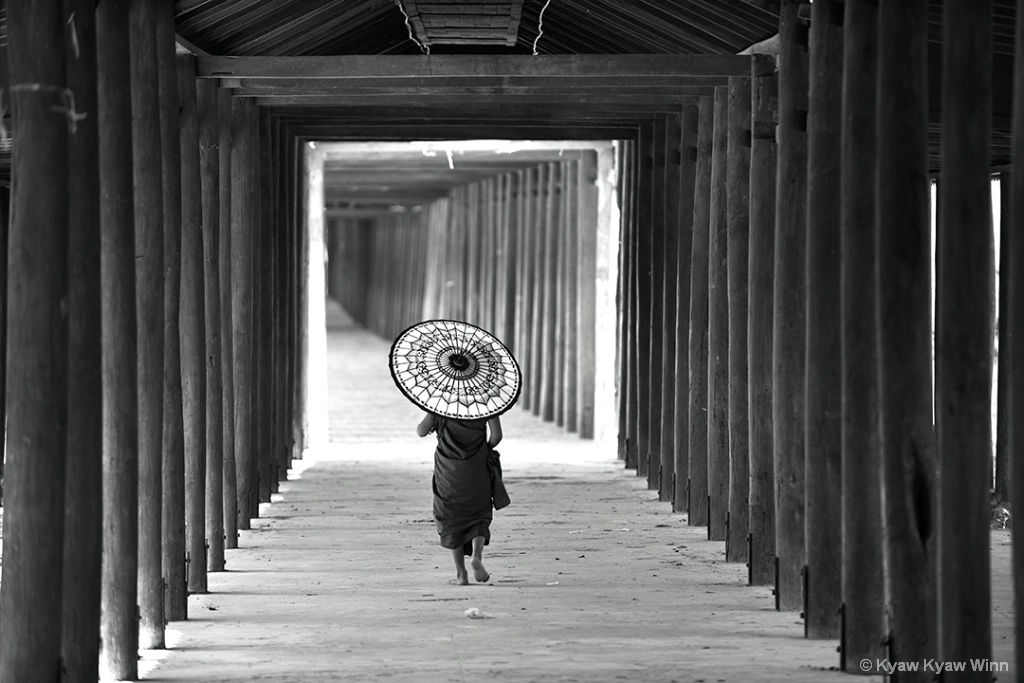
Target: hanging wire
408,25
540,27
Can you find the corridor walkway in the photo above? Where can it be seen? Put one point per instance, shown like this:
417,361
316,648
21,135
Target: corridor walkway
593,579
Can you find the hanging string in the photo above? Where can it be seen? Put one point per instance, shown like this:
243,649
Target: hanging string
540,27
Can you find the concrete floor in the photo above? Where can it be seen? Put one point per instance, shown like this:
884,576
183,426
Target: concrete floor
592,579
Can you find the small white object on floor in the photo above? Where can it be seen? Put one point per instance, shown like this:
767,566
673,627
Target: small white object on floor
476,613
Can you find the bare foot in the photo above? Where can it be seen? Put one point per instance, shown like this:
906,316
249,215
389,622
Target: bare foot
479,573
461,579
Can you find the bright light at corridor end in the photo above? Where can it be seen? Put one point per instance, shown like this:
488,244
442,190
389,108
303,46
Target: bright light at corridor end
606,246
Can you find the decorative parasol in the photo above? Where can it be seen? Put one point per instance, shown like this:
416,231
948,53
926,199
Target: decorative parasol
455,369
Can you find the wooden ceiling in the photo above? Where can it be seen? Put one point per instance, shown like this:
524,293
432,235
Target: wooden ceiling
517,69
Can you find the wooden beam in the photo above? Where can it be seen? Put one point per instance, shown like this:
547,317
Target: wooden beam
963,346
119,626
738,246
823,426
763,169
903,271
83,502
788,401
698,401
37,380
385,66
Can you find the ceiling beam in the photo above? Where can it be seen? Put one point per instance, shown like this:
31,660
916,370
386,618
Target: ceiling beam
385,66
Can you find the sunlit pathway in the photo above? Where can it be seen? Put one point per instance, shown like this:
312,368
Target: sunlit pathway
592,579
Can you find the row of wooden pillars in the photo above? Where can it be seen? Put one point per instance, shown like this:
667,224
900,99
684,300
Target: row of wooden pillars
515,254
152,382
777,379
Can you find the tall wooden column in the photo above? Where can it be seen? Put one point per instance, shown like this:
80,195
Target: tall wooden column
173,527
738,228
763,167
863,590
718,325
149,266
628,418
1001,489
903,274
823,452
654,365
193,329
698,422
83,502
37,383
208,103
670,291
1015,246
263,414
789,329
687,178
964,336
119,628
585,324
241,306
227,355
644,285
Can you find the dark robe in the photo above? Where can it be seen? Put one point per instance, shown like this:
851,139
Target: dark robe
462,482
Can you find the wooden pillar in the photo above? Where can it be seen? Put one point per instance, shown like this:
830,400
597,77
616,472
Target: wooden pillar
547,306
1015,290
208,100
149,267
173,526
241,306
119,627
863,590
83,502
653,366
629,421
718,325
789,329
687,178
37,333
627,294
193,329
1001,488
763,167
562,291
903,274
542,192
644,295
964,340
263,411
670,277
823,427
698,423
738,226
229,501
584,263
